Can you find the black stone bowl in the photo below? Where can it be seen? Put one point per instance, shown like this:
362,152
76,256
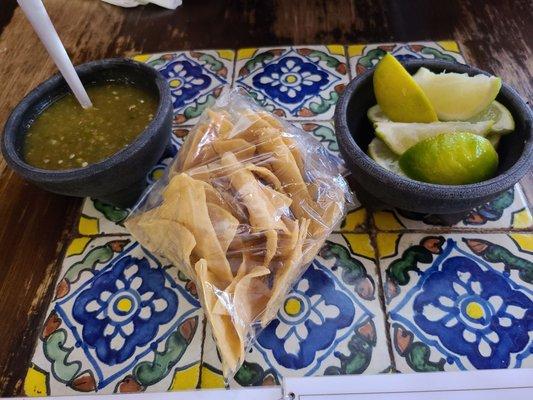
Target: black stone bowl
378,187
119,179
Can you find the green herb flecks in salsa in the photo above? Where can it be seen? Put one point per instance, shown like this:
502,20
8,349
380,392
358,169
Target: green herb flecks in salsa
66,136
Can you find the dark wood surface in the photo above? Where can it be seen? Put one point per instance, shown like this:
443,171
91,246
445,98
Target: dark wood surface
495,35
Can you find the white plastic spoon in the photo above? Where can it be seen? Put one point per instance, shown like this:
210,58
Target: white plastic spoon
38,17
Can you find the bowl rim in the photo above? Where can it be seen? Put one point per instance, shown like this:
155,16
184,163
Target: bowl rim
493,185
14,121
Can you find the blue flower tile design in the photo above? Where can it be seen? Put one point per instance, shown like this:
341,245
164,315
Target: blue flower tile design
195,78
291,81
120,321
187,80
461,302
296,82
123,308
309,321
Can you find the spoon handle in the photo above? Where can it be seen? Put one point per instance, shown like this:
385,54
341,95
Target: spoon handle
39,19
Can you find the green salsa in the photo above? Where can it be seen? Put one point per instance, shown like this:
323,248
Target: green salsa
66,136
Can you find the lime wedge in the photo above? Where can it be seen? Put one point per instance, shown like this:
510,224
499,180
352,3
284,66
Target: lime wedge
401,136
457,97
381,154
375,114
398,95
497,112
451,159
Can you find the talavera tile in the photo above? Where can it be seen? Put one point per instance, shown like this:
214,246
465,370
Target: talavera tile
460,301
298,82
196,79
119,322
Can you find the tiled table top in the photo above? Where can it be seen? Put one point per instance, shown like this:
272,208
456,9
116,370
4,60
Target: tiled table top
389,291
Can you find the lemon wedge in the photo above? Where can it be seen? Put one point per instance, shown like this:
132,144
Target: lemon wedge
398,95
457,97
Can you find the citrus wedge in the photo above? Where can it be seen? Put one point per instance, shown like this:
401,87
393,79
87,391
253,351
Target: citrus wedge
451,159
375,114
398,95
457,97
381,154
399,136
497,112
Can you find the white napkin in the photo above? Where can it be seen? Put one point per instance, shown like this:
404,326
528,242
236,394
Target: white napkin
171,4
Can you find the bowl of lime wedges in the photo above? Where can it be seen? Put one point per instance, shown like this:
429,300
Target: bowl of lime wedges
432,137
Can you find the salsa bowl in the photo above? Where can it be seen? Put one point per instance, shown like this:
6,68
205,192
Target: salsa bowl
118,179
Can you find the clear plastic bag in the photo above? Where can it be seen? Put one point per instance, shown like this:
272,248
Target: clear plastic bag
242,210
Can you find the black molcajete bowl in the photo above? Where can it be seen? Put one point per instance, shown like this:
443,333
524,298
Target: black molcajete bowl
119,179
380,188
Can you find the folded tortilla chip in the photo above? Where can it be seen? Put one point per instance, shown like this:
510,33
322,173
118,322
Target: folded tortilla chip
228,341
224,224
250,299
289,142
239,147
185,202
222,121
265,174
190,151
198,150
278,199
166,238
284,276
288,241
231,318
262,214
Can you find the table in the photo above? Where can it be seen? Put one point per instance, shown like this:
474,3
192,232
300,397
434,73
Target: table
36,226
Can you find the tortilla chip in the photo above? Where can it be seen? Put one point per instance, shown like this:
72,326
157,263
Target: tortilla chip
280,200
228,341
213,196
262,214
271,245
265,174
250,299
247,303
199,149
222,121
284,277
270,120
190,149
224,223
288,241
185,202
240,147
289,142
257,131
225,304
166,238
220,306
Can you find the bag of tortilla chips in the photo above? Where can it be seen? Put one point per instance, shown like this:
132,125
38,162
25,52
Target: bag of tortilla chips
242,211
